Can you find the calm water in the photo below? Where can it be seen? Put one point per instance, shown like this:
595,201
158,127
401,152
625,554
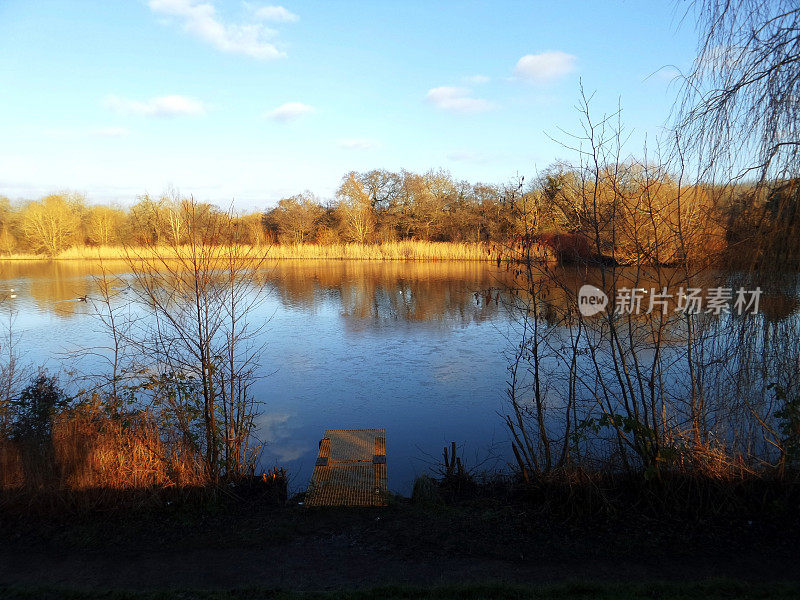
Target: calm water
419,349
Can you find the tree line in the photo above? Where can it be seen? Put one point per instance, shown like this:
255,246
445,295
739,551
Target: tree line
381,206
374,206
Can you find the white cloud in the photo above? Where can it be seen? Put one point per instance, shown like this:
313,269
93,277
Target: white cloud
668,73
164,106
720,57
457,99
477,79
200,19
290,111
544,67
357,144
275,13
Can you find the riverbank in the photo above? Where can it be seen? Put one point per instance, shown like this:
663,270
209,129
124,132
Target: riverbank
402,250
483,542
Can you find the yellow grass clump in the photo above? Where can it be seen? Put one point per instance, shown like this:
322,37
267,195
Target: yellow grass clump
91,450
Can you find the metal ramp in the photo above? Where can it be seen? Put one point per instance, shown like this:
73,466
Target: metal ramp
350,469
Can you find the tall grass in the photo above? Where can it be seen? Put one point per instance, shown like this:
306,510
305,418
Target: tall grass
402,250
89,450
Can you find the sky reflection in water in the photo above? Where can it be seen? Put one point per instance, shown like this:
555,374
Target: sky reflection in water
416,348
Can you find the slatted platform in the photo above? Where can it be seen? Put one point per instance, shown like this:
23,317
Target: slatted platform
350,469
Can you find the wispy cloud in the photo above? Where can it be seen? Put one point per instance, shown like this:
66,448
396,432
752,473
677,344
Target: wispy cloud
200,19
668,73
164,106
457,99
357,144
477,79
545,67
290,111
275,13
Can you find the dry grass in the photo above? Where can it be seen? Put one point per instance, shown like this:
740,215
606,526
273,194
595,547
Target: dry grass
90,450
96,451
11,473
402,250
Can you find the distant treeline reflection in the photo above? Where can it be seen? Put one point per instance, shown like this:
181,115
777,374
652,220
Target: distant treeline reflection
446,291
460,292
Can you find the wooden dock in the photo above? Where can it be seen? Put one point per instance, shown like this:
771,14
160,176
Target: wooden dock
350,469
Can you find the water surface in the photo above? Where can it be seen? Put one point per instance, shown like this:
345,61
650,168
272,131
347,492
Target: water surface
417,348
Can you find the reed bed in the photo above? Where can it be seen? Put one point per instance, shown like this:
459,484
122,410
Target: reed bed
402,250
89,450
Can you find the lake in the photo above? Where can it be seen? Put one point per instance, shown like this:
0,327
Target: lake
423,348
417,348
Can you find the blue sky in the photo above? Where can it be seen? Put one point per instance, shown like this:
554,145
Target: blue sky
249,102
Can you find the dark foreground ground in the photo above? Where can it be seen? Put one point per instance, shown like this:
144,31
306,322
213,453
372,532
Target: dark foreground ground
709,590
167,550
742,543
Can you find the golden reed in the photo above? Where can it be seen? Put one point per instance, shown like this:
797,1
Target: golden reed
402,250
89,450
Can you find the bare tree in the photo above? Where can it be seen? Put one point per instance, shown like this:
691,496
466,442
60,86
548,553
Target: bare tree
355,207
640,382
740,109
51,225
198,340
740,116
104,225
297,217
12,373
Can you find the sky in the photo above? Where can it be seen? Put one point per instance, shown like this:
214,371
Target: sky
244,103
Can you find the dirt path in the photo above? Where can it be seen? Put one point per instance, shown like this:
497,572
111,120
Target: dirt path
338,561
328,549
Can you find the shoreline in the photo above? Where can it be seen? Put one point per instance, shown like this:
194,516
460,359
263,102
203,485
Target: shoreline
387,251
